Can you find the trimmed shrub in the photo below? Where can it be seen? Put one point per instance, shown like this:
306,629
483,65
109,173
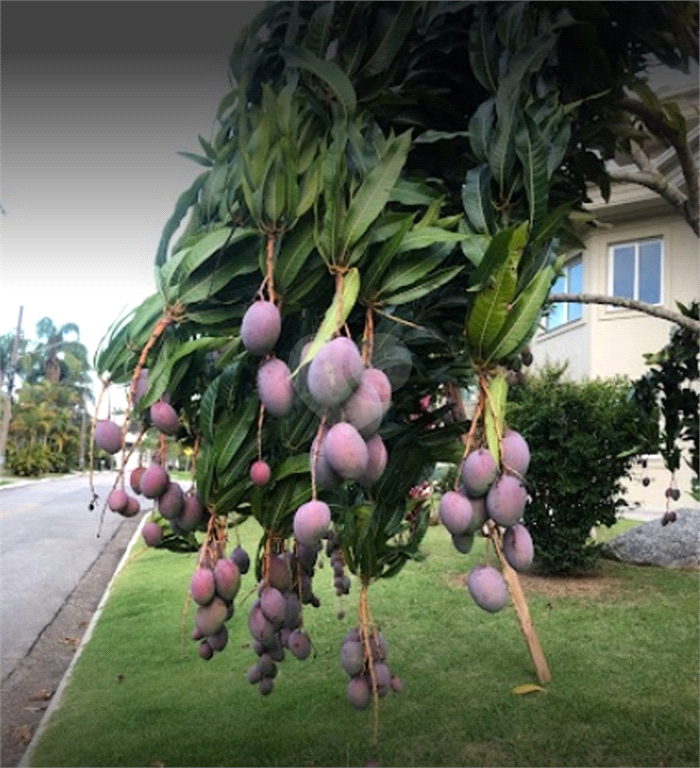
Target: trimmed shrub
583,438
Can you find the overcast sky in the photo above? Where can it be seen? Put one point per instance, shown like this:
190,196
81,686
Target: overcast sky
97,100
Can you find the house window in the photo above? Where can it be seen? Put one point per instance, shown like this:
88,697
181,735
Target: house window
570,281
635,270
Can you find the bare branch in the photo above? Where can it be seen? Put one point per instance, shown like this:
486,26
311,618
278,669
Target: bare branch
658,126
617,301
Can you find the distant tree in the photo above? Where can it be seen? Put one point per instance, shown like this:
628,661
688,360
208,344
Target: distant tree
56,357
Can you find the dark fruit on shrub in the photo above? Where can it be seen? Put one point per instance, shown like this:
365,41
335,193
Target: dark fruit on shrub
324,474
170,504
132,508
479,470
135,479
526,356
455,512
266,685
202,586
359,692
152,534
463,542
506,500
117,500
275,387
240,557
363,409
260,473
261,327
380,381
227,578
154,482
479,514
518,548
219,640
645,481
311,521
335,372
279,573
141,385
487,588
205,650
108,436
346,451
299,644
675,494
515,453
273,605
164,418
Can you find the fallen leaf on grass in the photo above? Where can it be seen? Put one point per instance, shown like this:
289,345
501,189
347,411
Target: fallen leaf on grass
22,734
527,688
43,695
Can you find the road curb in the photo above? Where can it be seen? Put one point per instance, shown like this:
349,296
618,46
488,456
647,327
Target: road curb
58,695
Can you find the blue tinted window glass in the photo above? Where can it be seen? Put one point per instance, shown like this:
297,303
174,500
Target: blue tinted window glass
650,272
575,286
623,271
556,316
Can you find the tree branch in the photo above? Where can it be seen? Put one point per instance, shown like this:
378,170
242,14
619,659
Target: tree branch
617,301
658,126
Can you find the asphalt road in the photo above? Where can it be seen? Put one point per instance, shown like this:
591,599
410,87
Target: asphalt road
54,569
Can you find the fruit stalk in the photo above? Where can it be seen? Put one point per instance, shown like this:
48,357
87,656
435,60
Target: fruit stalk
366,626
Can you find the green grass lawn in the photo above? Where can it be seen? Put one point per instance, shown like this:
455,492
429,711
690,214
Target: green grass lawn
622,647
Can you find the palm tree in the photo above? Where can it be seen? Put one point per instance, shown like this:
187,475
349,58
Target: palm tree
56,357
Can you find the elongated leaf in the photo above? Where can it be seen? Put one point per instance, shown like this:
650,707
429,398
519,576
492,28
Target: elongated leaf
410,271
230,436
184,202
413,193
374,191
293,254
481,130
209,244
318,30
521,690
476,199
439,278
483,50
532,154
335,316
207,409
424,237
490,307
495,415
523,315
381,261
205,161
328,71
145,317
292,465
432,136
393,37
208,280
212,316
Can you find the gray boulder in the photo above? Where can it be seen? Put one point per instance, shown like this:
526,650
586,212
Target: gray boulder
675,545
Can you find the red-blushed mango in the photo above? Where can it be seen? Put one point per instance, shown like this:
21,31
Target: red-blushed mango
359,692
117,500
292,611
265,686
346,451
479,470
463,542
335,372
515,453
219,640
383,677
488,588
380,381
141,386
132,508
108,436
506,500
211,617
152,534
363,409
455,512
352,658
227,578
273,605
164,418
324,475
279,573
260,628
311,521
275,387
154,482
261,327
171,503
479,514
260,473
396,684
299,644
376,461
135,479
202,586
518,548
254,675
191,514
240,557
205,650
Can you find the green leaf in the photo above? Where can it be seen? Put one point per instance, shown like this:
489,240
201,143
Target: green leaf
205,161
207,409
407,272
481,130
205,247
381,261
318,30
483,50
495,415
438,279
409,192
295,250
520,690
476,199
522,316
490,307
374,191
331,74
231,434
432,136
335,316
184,202
292,465
393,37
532,154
